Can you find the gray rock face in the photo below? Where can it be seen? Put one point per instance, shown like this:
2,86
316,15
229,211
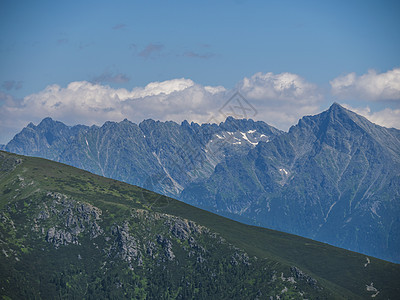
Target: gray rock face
126,244
151,249
61,221
70,219
60,237
167,246
300,275
182,229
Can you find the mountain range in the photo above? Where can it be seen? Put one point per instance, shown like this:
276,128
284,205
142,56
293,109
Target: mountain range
67,233
334,177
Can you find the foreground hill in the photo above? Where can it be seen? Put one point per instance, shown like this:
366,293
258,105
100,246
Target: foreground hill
67,233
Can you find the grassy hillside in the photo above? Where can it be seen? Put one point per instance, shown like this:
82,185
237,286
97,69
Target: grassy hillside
66,233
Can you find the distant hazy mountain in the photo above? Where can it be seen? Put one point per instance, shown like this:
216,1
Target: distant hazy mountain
162,156
334,177
69,234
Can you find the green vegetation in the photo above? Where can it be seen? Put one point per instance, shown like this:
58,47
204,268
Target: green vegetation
66,233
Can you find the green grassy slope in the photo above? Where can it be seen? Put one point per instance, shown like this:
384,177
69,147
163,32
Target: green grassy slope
337,267
341,273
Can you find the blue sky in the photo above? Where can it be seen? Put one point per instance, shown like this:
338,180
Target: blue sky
129,44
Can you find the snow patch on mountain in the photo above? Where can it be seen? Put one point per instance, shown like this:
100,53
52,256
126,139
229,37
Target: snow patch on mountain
247,139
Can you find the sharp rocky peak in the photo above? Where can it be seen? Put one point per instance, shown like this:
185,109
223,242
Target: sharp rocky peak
49,122
337,118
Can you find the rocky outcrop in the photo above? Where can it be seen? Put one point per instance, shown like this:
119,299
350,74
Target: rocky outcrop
64,219
182,228
151,249
60,237
166,244
240,257
300,275
125,244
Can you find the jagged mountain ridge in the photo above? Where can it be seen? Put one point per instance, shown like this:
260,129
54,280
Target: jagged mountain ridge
67,233
161,156
333,177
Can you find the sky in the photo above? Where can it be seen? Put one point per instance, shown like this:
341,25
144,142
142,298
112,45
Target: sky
88,62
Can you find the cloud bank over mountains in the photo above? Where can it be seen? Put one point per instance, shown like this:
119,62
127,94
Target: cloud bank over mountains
275,95
370,86
279,99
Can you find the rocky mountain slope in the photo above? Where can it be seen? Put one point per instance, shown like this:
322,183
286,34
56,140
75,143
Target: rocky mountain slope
67,233
334,177
162,156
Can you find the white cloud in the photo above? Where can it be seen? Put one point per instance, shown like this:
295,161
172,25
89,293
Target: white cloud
165,87
370,86
387,117
82,102
215,89
281,99
284,87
